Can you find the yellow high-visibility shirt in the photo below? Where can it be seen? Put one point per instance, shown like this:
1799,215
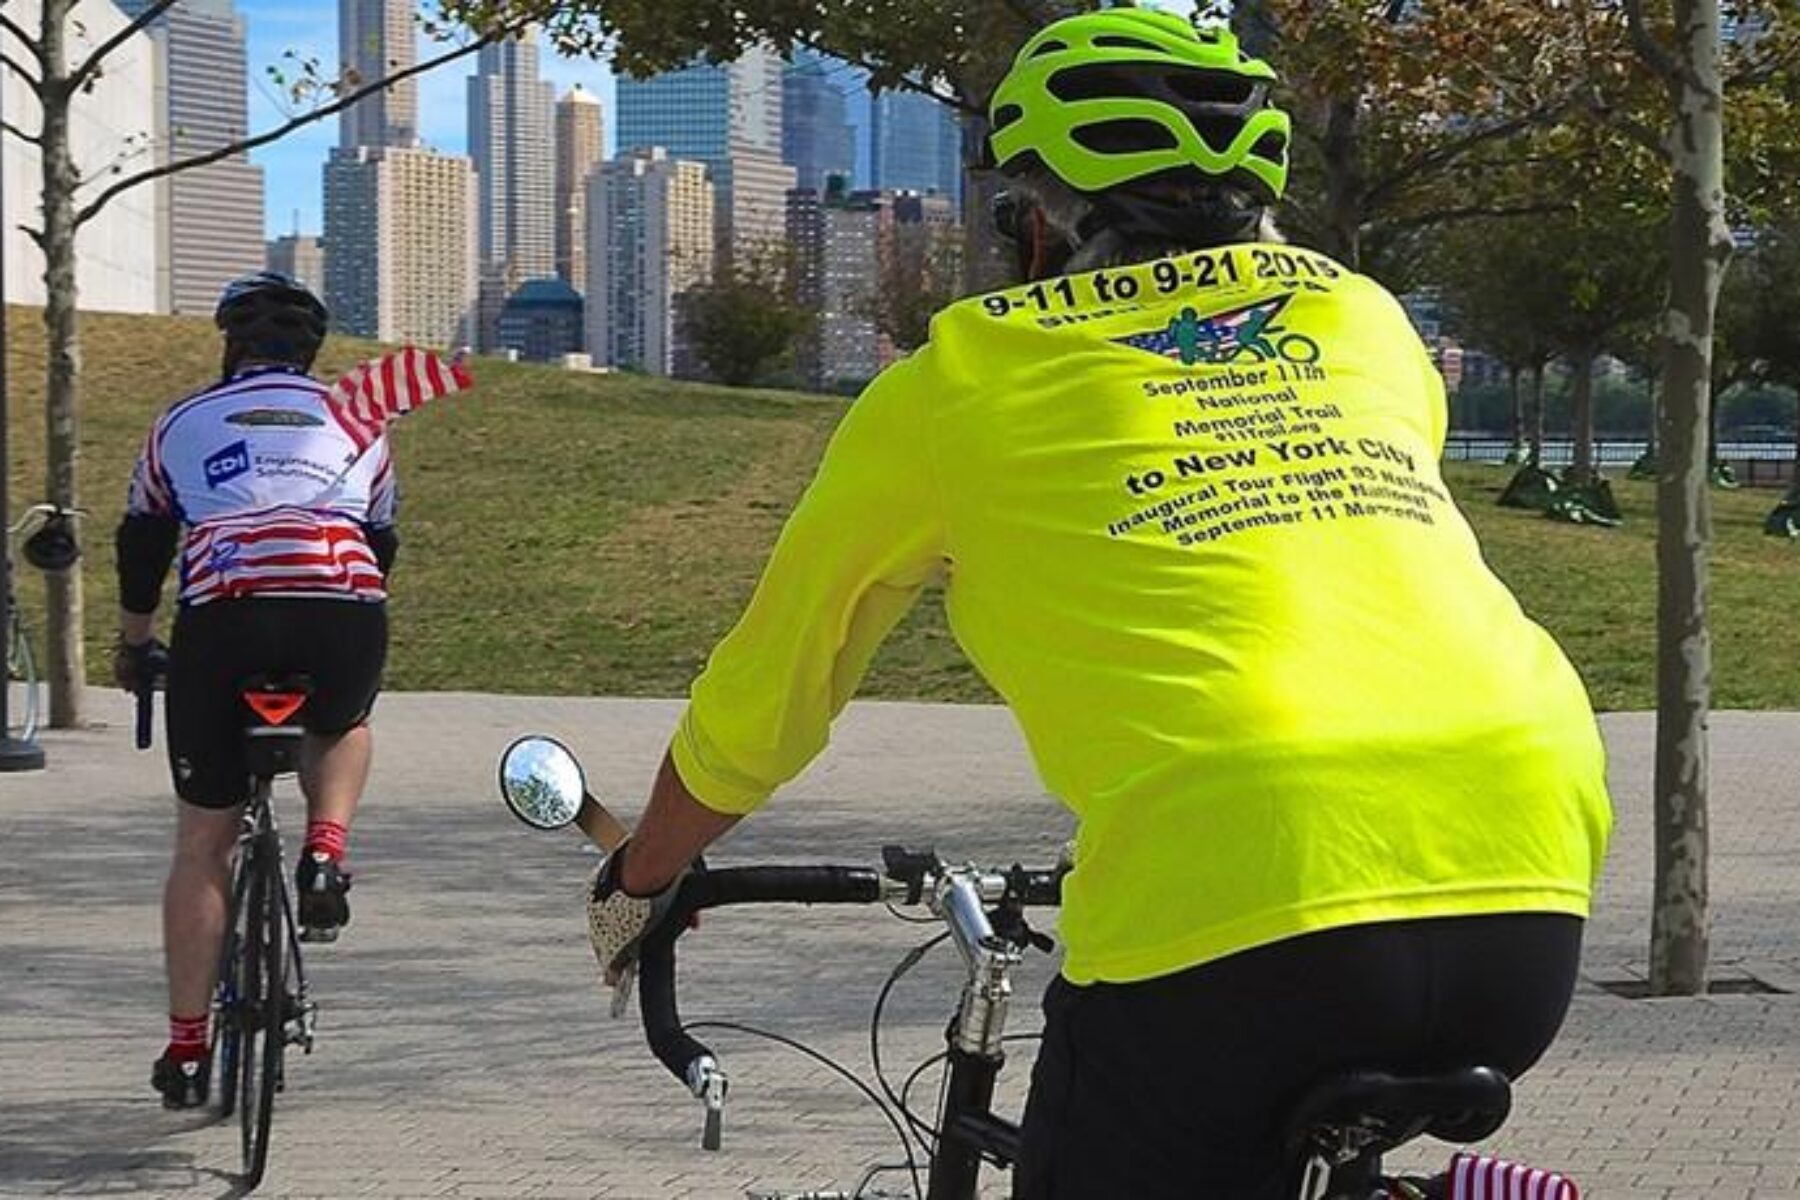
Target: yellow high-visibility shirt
1195,535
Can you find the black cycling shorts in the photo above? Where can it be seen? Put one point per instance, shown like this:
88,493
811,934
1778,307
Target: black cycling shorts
341,645
1178,1088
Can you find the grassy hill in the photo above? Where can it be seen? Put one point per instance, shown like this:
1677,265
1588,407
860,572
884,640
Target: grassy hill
597,534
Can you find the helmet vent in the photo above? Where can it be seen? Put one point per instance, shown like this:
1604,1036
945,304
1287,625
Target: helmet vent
1208,87
1005,115
1217,130
1113,41
1101,82
1050,47
1126,136
1271,146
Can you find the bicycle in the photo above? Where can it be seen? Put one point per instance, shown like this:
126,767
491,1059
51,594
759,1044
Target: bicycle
1338,1134
260,1003
49,547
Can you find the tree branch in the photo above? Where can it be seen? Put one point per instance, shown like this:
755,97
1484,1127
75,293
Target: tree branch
1655,55
137,24
92,210
812,42
1472,212
1449,152
17,68
27,138
24,39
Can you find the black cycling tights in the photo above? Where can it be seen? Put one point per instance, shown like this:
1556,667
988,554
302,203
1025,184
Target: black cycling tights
1178,1087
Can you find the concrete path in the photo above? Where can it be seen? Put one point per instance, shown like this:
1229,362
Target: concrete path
463,1051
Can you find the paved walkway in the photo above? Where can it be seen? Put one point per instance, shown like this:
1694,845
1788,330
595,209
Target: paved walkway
463,1053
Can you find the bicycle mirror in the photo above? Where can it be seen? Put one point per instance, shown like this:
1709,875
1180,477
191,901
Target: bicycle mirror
541,782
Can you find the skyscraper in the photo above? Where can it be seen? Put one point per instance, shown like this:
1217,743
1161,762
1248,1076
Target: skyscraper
515,159
650,238
580,145
841,242
401,226
817,139
375,39
915,145
211,216
727,118
300,256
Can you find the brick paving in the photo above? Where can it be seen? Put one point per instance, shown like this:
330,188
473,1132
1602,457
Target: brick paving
464,1053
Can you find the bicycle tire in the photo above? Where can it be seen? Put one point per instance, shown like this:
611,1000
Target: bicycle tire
265,956
228,998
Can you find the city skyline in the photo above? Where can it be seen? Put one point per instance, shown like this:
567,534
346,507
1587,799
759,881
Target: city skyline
291,166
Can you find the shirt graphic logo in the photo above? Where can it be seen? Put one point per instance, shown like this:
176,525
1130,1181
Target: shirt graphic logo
1249,333
227,464
286,418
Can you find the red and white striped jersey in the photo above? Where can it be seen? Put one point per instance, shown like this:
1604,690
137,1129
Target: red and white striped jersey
276,479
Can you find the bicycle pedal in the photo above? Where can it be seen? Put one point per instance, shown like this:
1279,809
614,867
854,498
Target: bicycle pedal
320,935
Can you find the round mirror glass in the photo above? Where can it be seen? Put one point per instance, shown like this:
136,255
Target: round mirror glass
541,782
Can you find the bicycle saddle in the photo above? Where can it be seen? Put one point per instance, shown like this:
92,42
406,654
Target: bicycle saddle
1362,1111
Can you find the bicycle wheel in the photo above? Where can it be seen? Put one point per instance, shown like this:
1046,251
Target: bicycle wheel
265,955
22,667
228,997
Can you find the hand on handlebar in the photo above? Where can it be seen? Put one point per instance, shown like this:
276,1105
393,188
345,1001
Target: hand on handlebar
140,665
618,923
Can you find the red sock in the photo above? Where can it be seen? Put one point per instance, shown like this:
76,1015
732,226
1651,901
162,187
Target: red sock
328,838
187,1038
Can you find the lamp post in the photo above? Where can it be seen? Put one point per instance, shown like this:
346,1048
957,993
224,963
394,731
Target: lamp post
15,754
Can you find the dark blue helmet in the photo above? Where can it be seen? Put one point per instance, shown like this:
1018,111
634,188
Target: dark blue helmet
272,316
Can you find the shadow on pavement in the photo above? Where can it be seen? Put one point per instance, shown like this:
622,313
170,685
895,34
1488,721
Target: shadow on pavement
89,1148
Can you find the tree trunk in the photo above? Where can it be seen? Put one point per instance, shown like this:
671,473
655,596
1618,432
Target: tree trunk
1700,248
1581,414
1537,416
65,660
1343,183
1517,407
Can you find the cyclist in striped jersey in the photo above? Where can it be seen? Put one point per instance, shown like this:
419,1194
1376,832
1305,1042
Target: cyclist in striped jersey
279,500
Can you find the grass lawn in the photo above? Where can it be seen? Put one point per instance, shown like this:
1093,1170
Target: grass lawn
597,534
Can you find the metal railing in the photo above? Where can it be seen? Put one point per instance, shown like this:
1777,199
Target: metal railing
1767,464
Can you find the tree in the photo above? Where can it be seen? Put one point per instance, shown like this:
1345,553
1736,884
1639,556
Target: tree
747,319
1758,307
1408,119
1491,274
56,77
1687,59
920,277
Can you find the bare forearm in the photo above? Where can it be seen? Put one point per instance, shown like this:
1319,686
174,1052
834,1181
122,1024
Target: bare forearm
674,830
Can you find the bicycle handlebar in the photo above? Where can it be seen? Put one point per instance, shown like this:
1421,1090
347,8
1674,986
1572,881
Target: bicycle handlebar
154,666
689,1059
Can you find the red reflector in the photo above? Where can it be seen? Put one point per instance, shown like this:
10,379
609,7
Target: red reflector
275,707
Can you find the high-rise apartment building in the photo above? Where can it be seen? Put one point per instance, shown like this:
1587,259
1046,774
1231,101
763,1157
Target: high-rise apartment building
401,226
650,238
375,39
116,253
211,216
510,140
300,256
817,139
841,242
915,145
727,118
580,147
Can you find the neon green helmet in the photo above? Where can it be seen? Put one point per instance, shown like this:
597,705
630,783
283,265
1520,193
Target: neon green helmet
1108,99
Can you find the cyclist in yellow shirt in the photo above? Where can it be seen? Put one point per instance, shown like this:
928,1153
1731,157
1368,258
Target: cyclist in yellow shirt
1341,803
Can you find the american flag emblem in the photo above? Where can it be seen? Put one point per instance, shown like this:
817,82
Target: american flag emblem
1473,1177
382,390
1219,338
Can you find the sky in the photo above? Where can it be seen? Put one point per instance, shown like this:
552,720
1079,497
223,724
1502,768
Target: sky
292,167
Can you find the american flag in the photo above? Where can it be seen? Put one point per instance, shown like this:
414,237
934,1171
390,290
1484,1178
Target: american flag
1475,1178
384,389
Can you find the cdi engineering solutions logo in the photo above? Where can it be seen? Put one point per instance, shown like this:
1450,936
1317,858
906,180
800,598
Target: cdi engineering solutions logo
225,465
1251,333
